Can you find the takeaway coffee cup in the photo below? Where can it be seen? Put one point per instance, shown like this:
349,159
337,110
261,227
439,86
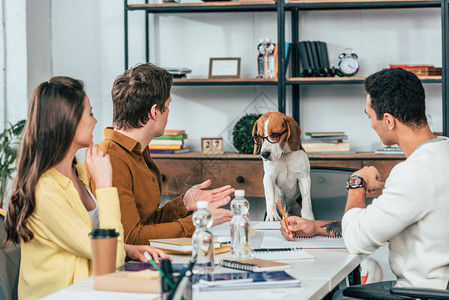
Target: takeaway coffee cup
104,250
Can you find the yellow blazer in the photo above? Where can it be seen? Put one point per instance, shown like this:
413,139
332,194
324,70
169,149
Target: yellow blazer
60,252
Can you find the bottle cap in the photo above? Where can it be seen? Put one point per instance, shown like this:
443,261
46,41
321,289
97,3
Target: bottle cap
202,204
239,193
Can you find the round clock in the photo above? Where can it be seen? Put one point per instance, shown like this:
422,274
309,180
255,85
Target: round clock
348,64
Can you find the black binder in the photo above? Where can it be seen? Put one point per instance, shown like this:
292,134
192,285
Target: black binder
307,70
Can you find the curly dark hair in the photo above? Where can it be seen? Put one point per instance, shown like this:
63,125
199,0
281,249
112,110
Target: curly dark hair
399,93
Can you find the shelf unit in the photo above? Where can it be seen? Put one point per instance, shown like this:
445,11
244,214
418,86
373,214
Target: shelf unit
294,7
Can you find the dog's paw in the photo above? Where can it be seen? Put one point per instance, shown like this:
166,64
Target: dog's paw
272,218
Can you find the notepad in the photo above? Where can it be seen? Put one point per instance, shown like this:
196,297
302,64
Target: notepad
254,265
260,280
283,254
267,226
183,245
274,239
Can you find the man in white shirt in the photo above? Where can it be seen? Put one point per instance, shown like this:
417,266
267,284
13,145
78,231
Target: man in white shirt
412,212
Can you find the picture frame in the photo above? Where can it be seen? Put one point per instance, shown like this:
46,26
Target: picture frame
212,145
224,67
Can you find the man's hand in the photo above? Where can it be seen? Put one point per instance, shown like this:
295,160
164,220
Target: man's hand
196,193
372,179
299,227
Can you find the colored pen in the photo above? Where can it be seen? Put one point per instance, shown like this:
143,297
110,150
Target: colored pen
283,215
182,274
157,268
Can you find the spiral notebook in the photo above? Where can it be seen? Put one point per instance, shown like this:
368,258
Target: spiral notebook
281,254
254,265
244,281
274,239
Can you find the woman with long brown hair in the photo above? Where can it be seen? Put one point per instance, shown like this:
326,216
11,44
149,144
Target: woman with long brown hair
51,211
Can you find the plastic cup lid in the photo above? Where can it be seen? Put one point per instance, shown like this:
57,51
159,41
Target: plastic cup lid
239,193
103,233
202,204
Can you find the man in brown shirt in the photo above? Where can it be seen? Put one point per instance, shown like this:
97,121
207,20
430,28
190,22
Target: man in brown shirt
141,99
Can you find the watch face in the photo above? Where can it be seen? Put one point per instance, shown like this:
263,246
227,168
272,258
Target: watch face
355,181
349,65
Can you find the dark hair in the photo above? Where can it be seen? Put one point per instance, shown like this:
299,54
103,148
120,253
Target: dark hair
136,91
55,110
399,93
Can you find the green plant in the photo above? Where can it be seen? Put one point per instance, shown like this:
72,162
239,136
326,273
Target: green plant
9,143
242,133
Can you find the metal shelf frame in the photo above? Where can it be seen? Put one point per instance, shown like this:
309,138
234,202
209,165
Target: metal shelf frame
280,8
295,8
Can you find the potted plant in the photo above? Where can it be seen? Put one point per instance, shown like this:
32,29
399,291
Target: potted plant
243,133
9,144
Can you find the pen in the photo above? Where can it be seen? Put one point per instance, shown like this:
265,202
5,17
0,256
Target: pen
156,267
283,215
275,249
181,276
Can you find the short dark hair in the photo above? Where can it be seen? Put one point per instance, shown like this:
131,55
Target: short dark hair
399,93
136,91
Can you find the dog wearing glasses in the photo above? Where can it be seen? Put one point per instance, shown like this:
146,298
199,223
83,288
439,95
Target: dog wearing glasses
286,165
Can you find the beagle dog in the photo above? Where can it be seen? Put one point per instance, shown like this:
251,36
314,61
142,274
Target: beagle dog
286,165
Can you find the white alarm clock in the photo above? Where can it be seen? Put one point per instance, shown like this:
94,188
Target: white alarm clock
348,64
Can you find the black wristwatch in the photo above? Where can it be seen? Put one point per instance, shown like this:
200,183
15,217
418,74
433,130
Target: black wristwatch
355,182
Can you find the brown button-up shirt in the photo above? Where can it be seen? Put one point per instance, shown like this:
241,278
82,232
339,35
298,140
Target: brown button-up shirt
139,185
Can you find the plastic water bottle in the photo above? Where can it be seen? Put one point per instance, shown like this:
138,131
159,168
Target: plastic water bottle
260,59
203,240
240,226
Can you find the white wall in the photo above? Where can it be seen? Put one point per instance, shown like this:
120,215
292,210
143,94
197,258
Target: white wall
13,62
87,43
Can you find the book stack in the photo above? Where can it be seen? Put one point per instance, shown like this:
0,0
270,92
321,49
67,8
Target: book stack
420,70
393,149
172,142
326,142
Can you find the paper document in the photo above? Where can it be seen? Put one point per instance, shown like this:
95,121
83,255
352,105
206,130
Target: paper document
267,226
274,239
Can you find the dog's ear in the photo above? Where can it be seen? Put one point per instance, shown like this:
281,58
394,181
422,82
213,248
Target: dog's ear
293,134
256,147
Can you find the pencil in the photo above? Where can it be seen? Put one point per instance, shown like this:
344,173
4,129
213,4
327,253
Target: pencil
283,215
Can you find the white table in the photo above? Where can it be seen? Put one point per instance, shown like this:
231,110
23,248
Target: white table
318,276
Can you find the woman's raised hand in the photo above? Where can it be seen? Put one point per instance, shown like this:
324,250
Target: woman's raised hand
99,166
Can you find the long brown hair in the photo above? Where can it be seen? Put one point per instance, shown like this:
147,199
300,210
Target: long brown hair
55,110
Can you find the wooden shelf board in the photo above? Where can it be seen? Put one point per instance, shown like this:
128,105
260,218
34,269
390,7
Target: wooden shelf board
237,156
347,79
356,1
202,4
225,81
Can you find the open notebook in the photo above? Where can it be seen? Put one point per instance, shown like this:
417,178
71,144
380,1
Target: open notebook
274,239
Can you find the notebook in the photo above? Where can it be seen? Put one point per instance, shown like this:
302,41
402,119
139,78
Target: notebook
274,239
267,226
183,245
254,265
244,281
281,254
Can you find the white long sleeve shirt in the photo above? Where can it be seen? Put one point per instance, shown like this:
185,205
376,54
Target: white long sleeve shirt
413,215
